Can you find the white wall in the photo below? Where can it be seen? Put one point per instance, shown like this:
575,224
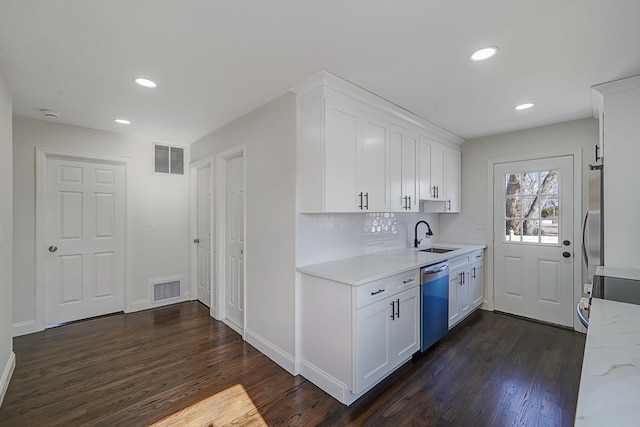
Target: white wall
269,134
621,177
156,200
476,199
7,358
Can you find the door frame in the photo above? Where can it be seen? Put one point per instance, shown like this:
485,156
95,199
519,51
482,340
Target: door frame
193,230
577,222
42,155
221,217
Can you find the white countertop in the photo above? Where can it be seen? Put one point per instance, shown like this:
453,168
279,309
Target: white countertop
610,382
621,273
367,268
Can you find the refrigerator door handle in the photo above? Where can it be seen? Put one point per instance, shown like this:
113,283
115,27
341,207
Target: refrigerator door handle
584,243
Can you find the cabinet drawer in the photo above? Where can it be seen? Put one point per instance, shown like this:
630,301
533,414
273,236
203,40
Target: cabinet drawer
459,262
383,288
406,281
477,256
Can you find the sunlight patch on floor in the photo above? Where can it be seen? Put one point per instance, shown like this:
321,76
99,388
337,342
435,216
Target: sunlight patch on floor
232,406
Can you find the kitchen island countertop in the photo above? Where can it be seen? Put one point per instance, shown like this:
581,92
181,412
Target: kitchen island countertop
610,382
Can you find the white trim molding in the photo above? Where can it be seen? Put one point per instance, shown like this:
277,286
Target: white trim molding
7,372
272,351
329,84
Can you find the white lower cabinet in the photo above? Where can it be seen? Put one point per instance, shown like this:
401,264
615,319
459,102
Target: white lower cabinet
387,334
352,337
466,286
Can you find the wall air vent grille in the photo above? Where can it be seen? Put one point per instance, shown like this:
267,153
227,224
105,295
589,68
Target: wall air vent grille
166,290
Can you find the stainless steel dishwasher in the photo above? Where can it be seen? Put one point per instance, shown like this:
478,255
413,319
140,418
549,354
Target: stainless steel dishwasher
434,304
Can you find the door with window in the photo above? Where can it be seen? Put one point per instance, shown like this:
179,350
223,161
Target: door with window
533,214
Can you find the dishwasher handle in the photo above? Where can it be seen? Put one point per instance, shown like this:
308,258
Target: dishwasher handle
432,269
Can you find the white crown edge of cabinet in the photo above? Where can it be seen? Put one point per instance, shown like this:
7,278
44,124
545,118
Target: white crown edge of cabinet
600,90
324,79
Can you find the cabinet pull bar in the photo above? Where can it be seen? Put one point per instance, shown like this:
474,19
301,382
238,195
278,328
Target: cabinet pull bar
360,195
597,154
449,201
366,198
379,291
393,310
409,202
408,281
398,308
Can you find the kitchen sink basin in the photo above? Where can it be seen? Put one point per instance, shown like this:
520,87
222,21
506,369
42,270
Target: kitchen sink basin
438,250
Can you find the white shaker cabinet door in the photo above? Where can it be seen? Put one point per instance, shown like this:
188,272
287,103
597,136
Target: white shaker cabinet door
476,285
373,344
406,326
341,150
454,311
453,181
372,165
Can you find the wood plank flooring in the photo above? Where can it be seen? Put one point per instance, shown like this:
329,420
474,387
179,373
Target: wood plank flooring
177,366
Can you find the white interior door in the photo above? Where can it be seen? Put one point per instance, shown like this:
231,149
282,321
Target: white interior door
234,241
534,248
203,239
84,232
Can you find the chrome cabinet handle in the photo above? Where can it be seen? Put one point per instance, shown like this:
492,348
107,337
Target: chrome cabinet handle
408,281
409,203
449,201
393,310
360,205
398,308
379,291
366,203
53,248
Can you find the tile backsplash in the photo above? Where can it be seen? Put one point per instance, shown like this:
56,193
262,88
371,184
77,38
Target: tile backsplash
327,237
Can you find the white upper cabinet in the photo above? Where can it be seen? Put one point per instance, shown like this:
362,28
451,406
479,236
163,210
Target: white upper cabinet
351,158
432,167
403,162
342,157
373,165
452,181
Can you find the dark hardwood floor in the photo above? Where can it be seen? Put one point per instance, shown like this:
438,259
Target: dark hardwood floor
137,369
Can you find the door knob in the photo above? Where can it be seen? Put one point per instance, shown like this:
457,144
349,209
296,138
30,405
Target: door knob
53,248
566,254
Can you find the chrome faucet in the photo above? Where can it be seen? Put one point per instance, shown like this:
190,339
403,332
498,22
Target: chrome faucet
416,242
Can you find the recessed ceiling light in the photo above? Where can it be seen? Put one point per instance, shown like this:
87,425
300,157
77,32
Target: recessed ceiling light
482,54
524,106
146,83
122,121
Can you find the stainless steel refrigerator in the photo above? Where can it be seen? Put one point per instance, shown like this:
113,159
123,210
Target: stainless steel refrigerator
592,226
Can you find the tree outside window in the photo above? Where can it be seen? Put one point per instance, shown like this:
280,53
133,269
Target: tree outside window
532,207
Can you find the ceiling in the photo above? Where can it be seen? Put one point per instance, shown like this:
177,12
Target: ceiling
214,61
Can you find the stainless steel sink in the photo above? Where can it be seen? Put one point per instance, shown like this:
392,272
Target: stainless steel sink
438,250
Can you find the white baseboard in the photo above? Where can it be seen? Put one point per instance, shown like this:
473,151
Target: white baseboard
146,304
24,328
273,352
6,375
